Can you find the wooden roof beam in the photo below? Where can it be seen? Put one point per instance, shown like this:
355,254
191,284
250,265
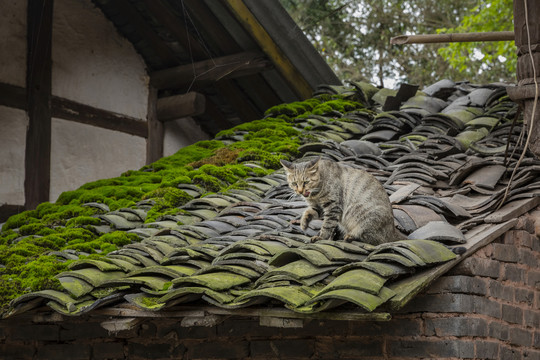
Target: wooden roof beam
196,75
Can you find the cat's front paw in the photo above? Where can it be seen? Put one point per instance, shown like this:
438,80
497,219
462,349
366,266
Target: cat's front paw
349,238
315,238
307,216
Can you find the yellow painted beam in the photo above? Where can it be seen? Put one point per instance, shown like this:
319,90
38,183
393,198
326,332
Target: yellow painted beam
270,48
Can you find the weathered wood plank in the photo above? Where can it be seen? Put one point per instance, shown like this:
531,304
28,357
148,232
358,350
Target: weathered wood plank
408,288
70,110
154,142
202,73
180,106
513,210
39,83
199,311
270,48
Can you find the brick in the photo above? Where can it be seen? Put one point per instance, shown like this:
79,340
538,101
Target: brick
533,279
431,349
77,331
17,351
536,340
352,347
456,326
500,291
459,284
526,223
35,332
508,353
524,296
148,330
218,350
333,327
195,332
532,318
161,350
474,266
513,273
282,348
530,354
512,314
487,350
528,257
245,327
498,330
489,307
444,303
520,336
506,253
394,327
108,350
64,351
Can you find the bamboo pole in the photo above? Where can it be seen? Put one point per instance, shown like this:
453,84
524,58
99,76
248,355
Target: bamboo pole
446,38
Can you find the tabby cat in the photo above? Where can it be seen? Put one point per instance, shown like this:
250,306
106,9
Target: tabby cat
346,198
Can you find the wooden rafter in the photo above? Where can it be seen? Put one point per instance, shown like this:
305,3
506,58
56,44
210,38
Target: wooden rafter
206,72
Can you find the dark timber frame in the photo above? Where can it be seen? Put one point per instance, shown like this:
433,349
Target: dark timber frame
38,138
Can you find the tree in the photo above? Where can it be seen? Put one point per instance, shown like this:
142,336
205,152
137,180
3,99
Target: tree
489,61
354,37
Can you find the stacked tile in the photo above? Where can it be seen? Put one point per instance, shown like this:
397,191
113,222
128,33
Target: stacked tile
441,158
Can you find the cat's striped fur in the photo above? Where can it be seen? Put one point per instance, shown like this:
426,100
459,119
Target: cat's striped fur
344,197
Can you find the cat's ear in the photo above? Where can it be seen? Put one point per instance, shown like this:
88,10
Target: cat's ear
287,164
313,162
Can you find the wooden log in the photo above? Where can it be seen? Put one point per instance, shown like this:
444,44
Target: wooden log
196,75
447,38
180,106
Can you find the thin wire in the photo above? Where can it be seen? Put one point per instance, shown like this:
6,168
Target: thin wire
531,122
207,50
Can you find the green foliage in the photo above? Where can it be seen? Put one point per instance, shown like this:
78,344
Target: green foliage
354,37
487,61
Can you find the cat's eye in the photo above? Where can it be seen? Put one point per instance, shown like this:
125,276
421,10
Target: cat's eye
294,183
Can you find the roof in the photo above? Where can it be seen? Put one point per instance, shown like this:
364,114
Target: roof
243,56
232,249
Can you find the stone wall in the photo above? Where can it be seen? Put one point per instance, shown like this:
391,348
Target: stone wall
488,307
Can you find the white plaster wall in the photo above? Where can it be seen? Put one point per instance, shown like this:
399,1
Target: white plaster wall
83,153
93,64
180,133
13,42
13,123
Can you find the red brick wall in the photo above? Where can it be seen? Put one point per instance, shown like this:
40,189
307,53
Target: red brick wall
488,307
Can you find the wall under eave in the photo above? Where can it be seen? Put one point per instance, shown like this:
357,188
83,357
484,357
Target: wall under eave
488,307
13,122
94,65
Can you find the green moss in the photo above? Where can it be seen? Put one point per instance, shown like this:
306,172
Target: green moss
82,220
293,109
340,105
212,165
24,277
24,218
